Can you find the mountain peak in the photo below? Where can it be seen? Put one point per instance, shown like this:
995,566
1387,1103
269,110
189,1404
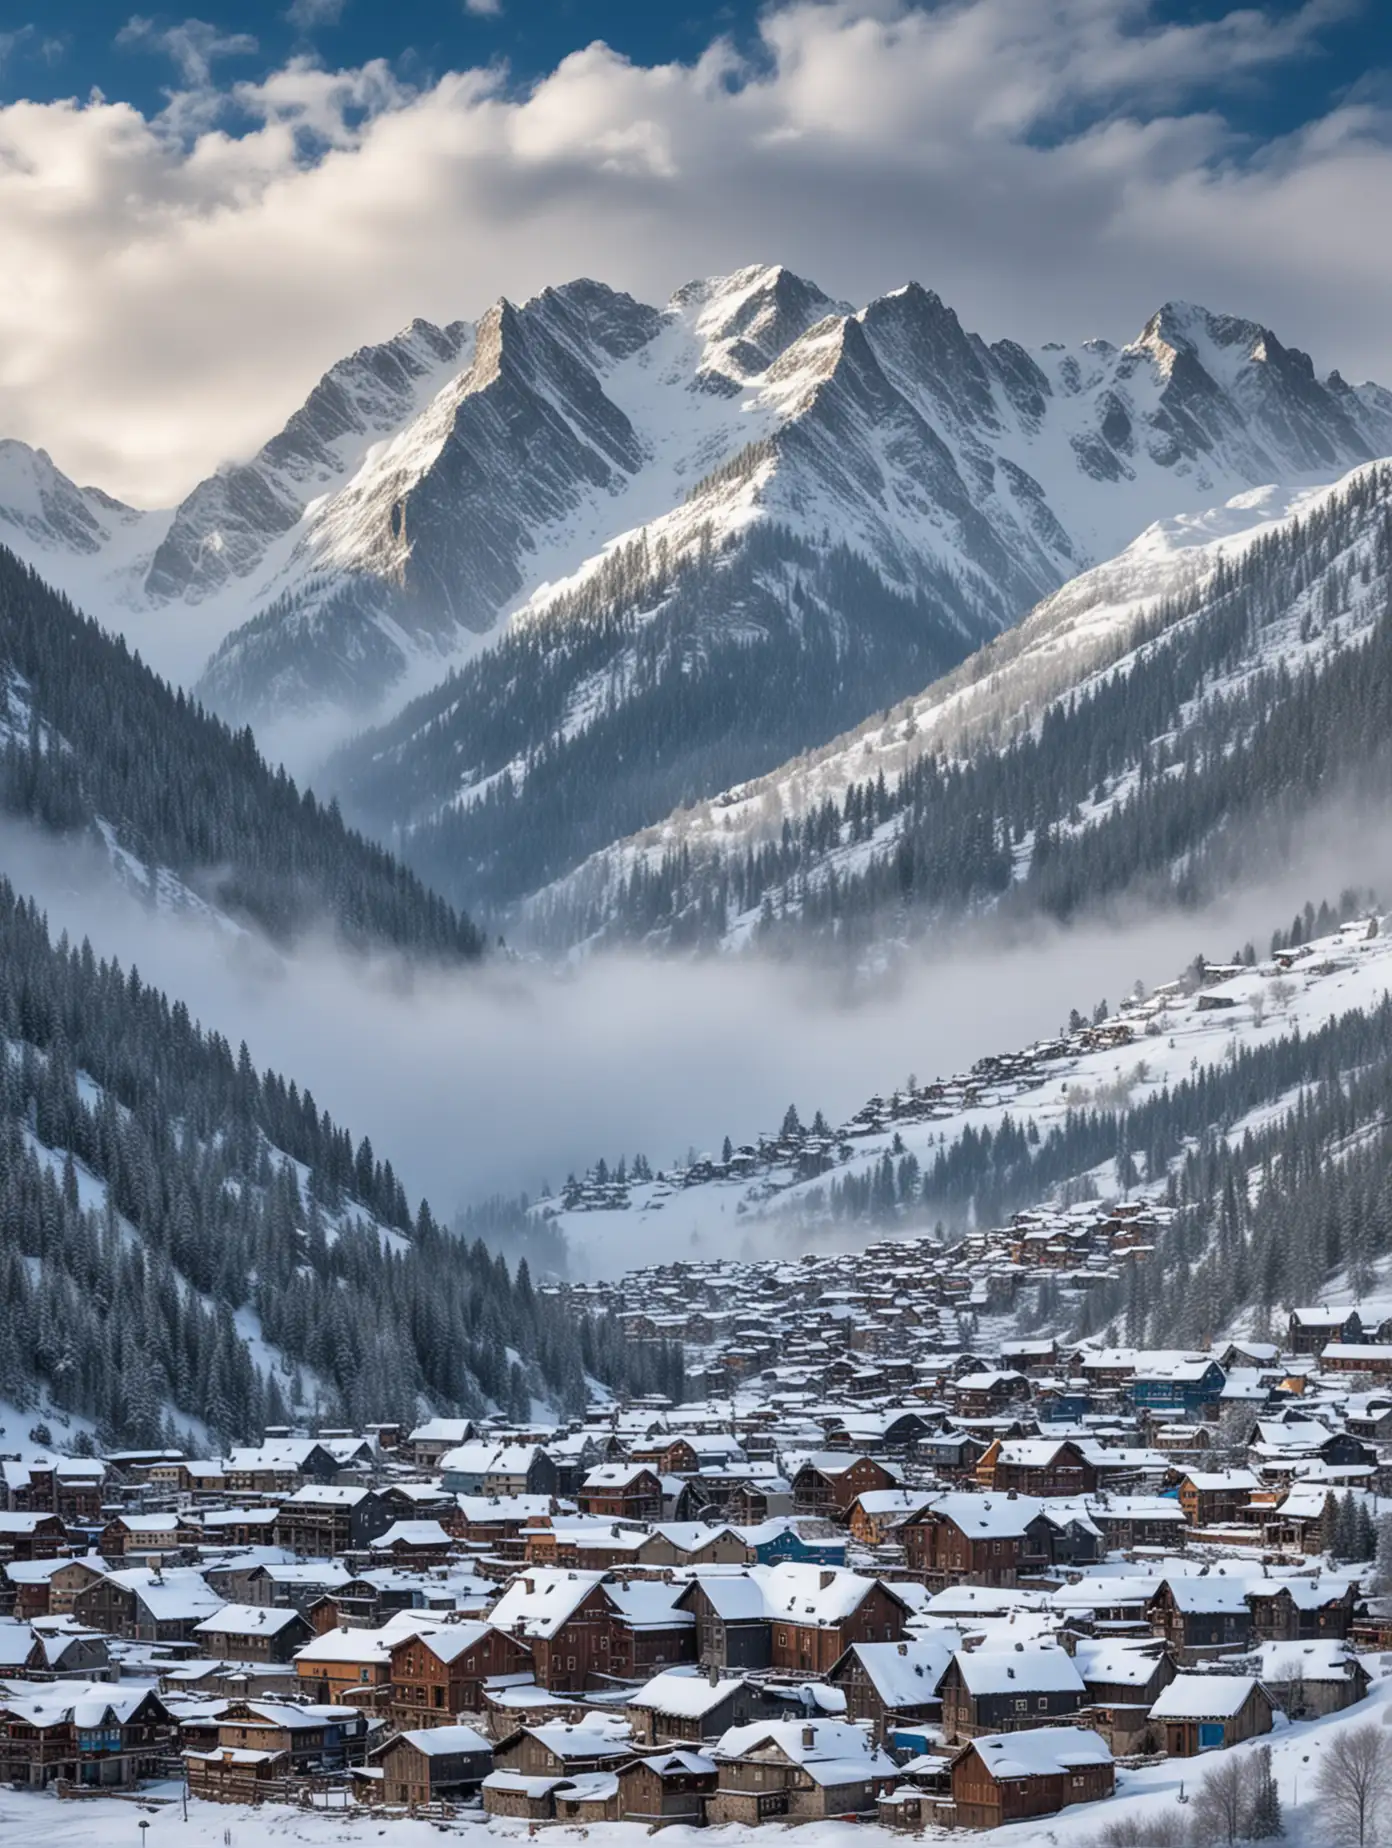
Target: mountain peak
746,320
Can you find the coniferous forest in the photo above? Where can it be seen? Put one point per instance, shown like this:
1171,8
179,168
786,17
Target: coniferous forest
161,1201
94,740
651,685
1114,791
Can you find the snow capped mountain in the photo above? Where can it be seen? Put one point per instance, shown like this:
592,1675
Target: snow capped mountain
435,483
49,519
661,550
225,527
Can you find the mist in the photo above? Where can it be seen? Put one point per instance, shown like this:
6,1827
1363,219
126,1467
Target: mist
507,1077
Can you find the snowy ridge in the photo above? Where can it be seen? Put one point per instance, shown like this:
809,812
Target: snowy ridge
1102,623
432,486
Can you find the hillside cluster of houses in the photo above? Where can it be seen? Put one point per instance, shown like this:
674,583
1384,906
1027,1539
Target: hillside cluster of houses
881,1320
960,1597
801,1152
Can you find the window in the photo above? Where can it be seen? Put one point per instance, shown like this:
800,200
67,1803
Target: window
1043,1703
1022,1706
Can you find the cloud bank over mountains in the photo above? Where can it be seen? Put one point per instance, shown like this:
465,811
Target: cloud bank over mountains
178,279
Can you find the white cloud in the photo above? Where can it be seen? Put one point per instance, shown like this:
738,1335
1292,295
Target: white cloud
304,15
1045,164
194,46
484,9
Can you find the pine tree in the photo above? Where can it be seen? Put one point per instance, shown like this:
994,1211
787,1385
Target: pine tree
1264,1821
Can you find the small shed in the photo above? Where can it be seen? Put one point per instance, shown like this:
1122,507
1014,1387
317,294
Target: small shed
1206,1713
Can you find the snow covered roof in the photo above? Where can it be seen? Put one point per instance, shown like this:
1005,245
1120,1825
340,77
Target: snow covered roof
88,1705
414,1533
486,1508
1043,1751
171,1595
1117,1661
248,1620
684,1693
366,1647
616,1475
907,1674
1212,1595
585,1739
327,1495
1203,1697
1205,1480
449,1641
987,1517
539,1602
16,1644
444,1741
809,1743
812,1595
1318,1659
1043,1668
442,1431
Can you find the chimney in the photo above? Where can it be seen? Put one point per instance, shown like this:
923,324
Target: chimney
809,1737
828,1577
714,1674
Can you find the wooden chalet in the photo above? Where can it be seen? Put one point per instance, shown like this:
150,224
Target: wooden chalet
438,1673
437,1764
1001,1688
1017,1776
976,1540
1037,1466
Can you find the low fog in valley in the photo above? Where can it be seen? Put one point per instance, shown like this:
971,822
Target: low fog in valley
497,1080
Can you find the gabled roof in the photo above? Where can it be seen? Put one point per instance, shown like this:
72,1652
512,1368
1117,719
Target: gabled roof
1043,1751
446,1741
1203,1697
1043,1668
248,1620
907,1674
539,1602
685,1693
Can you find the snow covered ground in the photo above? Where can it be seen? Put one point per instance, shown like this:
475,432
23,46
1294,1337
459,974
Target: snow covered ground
1156,1790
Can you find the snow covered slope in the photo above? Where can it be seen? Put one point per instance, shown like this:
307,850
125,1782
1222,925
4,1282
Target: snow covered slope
821,1184
432,485
1310,568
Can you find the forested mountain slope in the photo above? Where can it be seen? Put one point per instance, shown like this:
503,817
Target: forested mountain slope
1158,726
93,741
182,1236
876,517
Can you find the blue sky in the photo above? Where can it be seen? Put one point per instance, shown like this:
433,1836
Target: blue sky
68,46
238,194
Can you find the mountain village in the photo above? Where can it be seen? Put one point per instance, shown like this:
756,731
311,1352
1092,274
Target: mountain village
879,1571
902,1551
